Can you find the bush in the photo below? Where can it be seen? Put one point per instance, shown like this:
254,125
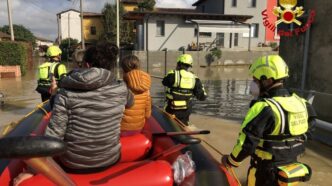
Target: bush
67,51
14,53
214,54
273,45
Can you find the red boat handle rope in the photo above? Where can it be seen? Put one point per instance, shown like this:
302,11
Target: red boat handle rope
182,133
169,151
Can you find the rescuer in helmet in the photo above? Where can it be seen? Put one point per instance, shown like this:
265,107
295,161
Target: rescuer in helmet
182,85
49,70
275,128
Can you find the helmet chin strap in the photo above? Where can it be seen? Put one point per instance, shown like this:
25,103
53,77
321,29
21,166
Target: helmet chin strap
266,90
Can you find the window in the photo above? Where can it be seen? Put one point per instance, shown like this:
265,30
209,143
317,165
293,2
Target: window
236,39
234,3
220,40
160,28
203,8
252,3
254,29
93,30
203,34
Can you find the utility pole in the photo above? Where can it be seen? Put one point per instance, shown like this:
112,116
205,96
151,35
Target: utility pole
68,49
117,24
118,37
9,7
59,28
82,29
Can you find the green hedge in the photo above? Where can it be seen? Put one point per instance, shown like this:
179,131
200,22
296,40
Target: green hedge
14,53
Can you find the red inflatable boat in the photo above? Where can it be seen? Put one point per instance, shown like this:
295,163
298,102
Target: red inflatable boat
152,158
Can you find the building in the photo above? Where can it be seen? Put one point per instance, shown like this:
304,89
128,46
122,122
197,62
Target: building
69,25
93,26
4,37
259,33
174,29
180,26
42,41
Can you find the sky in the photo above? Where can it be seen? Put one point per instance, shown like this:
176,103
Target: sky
39,16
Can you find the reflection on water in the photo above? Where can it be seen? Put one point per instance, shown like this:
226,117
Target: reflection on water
226,98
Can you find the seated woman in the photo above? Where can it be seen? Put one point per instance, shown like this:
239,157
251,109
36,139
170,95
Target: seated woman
139,83
88,110
87,113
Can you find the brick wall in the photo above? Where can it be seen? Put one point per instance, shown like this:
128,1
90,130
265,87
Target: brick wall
10,71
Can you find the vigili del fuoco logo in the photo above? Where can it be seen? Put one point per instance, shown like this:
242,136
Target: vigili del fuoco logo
287,13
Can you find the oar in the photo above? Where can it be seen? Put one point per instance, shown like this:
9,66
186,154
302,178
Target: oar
182,133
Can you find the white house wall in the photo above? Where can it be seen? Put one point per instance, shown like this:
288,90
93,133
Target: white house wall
177,34
243,8
75,25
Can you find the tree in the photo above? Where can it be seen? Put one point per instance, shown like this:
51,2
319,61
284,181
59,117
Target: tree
67,50
126,27
21,33
146,5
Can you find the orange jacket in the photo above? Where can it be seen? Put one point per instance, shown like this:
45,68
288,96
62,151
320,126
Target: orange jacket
134,117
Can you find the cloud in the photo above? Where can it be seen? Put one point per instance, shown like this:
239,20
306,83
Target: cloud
40,15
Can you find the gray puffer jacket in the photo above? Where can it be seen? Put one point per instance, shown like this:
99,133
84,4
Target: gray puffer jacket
87,113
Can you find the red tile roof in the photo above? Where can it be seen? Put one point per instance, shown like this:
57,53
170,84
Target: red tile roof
4,35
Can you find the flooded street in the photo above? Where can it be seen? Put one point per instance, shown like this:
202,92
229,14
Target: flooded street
20,96
227,89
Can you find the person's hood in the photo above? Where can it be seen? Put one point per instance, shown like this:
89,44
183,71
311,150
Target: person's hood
87,79
138,81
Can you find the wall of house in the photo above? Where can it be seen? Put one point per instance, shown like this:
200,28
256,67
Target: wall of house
89,22
211,6
73,29
318,74
177,33
243,8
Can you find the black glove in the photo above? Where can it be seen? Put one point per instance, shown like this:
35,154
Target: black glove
224,161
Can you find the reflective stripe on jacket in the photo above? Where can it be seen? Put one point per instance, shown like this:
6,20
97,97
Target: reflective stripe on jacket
182,89
289,119
47,69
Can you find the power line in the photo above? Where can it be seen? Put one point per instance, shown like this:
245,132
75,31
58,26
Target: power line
40,8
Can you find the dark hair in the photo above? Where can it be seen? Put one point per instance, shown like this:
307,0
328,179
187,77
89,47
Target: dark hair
180,66
129,63
102,55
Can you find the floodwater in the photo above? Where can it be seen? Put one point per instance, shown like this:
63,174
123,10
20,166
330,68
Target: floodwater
20,96
227,89
226,98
